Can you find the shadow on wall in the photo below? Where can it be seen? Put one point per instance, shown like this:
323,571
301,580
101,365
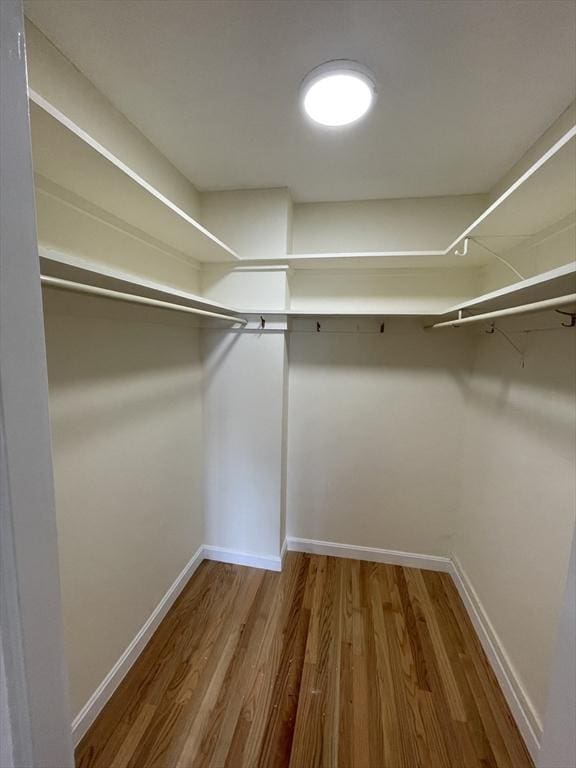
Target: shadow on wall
213,361
500,385
404,347
83,418
112,365
375,433
100,339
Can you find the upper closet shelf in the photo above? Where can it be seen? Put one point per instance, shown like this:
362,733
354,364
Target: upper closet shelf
73,166
542,196
547,285
539,198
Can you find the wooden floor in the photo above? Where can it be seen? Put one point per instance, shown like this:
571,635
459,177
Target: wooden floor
331,663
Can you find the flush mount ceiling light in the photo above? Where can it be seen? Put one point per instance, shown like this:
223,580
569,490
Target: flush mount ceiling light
338,93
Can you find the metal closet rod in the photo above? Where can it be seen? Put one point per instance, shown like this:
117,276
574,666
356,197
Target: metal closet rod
69,285
523,309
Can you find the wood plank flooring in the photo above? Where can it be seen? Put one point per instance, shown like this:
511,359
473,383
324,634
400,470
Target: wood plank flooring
333,663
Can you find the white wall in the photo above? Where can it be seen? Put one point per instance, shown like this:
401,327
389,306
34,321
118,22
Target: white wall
410,224
247,288
256,223
421,291
518,496
244,375
374,435
125,403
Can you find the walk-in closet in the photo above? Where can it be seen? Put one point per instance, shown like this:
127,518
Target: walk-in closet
287,383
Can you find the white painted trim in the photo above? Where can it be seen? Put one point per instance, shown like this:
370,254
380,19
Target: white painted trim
283,551
30,596
520,705
372,554
224,555
96,702
558,745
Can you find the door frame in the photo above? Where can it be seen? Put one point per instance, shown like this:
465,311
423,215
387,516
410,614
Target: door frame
32,648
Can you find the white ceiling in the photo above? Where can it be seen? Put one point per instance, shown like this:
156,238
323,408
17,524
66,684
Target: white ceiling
465,86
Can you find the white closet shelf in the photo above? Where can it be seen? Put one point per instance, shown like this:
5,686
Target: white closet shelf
541,196
565,302
91,290
307,313
547,285
65,267
72,160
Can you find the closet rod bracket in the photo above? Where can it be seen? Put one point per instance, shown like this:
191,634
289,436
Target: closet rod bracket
571,315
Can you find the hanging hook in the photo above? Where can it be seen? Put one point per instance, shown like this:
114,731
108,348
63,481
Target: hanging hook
318,326
465,251
381,327
571,315
491,329
262,322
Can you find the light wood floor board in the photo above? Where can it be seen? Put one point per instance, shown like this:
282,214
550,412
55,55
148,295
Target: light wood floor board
332,663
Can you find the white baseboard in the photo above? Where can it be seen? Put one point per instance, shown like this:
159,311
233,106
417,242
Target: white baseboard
388,556
224,555
515,695
96,702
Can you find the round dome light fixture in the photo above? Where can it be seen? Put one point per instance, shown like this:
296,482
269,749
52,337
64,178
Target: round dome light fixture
338,92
